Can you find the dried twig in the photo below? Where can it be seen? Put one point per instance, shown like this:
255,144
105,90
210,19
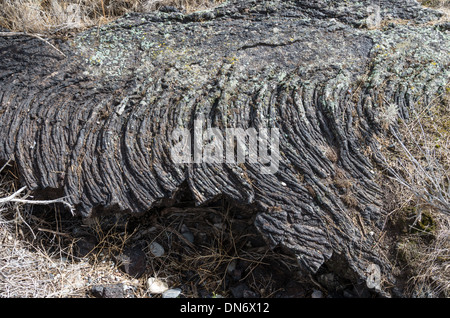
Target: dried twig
5,165
35,35
54,232
12,198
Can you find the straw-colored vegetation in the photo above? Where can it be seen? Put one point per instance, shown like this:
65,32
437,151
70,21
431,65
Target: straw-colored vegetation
38,244
419,158
49,16
39,250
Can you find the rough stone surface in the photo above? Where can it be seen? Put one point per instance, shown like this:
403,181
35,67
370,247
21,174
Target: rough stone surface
108,291
85,245
132,260
171,293
96,126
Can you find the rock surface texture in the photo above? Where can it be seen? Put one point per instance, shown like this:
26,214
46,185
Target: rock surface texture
95,124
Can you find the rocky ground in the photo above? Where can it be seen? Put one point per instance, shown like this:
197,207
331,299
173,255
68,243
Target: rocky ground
187,251
215,250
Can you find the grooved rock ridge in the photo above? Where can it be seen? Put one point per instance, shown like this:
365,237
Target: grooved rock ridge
96,125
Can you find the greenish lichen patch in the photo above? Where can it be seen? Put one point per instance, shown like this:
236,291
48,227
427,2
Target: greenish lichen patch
312,70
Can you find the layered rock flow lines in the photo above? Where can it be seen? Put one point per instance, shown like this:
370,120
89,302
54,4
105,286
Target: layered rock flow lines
98,125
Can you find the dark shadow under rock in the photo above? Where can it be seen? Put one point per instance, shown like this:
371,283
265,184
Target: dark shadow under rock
105,124
132,260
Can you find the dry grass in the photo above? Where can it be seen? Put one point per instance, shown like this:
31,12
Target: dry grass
222,240
49,16
37,250
419,164
436,3
423,164
37,254
38,246
39,259
441,5
430,261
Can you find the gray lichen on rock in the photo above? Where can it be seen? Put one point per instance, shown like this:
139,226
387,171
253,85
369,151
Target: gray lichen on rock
96,126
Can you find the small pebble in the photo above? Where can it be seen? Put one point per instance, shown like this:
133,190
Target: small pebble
187,234
171,293
156,286
156,249
316,294
218,225
231,266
